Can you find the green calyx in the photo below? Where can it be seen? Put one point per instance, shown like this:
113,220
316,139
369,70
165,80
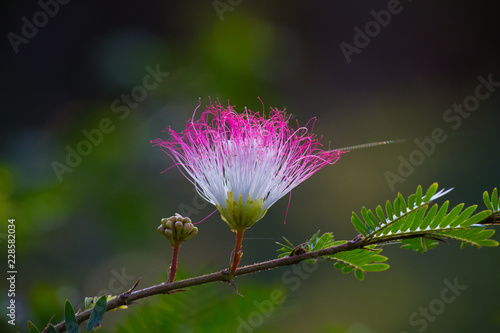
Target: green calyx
177,229
241,215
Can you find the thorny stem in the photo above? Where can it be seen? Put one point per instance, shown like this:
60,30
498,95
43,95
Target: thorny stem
130,296
165,288
237,254
173,265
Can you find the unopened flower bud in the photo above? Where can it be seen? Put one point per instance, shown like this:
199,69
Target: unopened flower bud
177,229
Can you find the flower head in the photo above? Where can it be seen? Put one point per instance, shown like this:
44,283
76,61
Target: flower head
244,163
177,229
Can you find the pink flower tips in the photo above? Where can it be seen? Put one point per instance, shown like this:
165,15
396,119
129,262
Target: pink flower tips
244,163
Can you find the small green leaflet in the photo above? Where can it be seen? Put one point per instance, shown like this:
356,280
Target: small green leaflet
360,260
32,328
97,313
69,316
52,329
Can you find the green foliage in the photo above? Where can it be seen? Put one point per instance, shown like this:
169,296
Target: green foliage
69,316
98,306
402,215
45,303
476,236
419,228
314,243
51,329
90,302
288,248
409,222
97,313
492,204
420,244
32,328
359,260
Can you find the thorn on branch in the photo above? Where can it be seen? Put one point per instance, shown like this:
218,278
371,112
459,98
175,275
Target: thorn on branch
135,302
126,294
235,288
46,329
175,291
356,239
226,278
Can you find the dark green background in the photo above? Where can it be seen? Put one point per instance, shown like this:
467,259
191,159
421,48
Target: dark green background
74,236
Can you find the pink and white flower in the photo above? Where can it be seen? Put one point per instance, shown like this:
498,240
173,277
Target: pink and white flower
244,163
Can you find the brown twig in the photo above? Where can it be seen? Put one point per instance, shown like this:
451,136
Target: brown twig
166,288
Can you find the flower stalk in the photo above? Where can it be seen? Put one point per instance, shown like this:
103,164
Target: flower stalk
177,229
237,253
173,265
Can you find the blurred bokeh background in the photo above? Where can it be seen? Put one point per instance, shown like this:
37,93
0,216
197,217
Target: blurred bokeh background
90,227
